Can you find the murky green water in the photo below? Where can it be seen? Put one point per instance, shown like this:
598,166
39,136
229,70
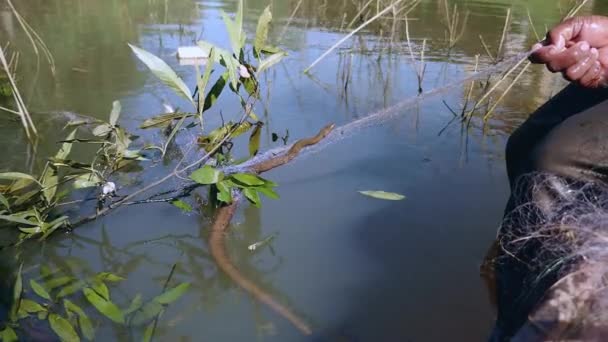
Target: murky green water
369,270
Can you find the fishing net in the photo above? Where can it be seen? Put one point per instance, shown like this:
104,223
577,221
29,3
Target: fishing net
556,228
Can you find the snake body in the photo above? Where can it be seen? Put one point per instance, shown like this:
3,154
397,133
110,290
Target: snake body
217,243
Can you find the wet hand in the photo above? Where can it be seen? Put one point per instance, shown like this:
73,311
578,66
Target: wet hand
578,48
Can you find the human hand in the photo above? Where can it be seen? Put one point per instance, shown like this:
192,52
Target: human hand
578,48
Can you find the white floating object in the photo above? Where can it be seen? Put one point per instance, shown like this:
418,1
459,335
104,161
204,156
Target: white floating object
192,55
108,188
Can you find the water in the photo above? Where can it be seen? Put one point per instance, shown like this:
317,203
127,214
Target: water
352,266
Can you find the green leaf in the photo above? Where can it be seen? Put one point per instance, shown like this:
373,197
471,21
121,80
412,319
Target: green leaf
202,84
216,91
63,328
71,289
268,192
207,175
42,315
163,120
49,182
4,202
101,289
83,320
253,196
107,308
17,290
232,67
89,180
270,61
389,196
66,147
17,176
148,312
185,207
148,333
173,294
39,290
261,34
115,114
235,29
102,130
54,283
30,306
8,335
248,179
106,276
164,72
135,305
254,140
224,193
16,219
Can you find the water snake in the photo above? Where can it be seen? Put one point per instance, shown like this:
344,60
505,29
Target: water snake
222,222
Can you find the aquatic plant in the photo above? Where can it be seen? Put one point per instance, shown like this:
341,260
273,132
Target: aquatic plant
66,303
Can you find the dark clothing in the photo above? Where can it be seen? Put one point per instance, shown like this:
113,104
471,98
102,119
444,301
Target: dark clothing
566,137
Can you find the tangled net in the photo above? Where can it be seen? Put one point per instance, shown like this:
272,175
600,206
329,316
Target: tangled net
558,230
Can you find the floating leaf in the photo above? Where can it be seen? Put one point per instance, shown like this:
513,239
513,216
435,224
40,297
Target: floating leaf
148,312
270,61
253,196
164,72
106,276
261,34
148,333
248,179
207,175
389,196
63,328
83,320
185,207
107,308
115,114
39,290
135,305
173,294
30,306
254,140
8,335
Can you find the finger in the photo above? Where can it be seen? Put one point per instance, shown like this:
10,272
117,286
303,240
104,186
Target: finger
569,57
591,79
561,34
576,72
